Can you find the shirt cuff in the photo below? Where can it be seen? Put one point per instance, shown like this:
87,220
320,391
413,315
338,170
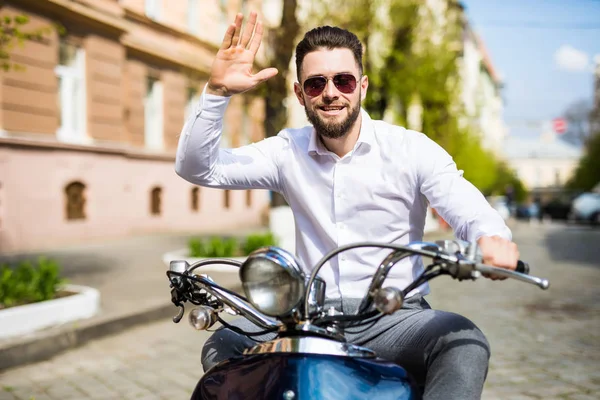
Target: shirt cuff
212,107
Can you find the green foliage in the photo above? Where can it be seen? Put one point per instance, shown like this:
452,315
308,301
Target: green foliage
229,247
254,242
29,282
407,67
213,247
12,34
587,174
480,165
506,177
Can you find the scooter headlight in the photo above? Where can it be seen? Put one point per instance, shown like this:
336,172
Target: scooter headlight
273,281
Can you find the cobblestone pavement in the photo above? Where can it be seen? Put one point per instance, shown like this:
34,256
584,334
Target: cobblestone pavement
545,344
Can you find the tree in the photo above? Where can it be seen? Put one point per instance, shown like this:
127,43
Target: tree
12,35
577,116
281,44
407,68
587,174
505,177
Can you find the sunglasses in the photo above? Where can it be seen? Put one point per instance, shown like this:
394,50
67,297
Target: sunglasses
345,83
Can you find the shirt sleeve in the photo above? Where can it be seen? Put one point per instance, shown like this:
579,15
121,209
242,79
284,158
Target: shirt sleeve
455,199
201,161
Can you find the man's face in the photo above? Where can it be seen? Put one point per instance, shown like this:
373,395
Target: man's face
334,110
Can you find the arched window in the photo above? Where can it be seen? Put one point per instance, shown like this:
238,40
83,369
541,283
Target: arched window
248,198
227,199
75,200
155,201
195,199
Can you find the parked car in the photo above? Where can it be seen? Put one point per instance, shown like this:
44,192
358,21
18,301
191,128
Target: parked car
559,208
528,211
586,207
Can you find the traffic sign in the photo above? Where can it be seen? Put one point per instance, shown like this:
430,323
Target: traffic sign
559,125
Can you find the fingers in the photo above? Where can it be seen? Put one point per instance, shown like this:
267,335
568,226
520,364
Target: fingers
238,29
228,36
248,30
250,37
257,39
265,74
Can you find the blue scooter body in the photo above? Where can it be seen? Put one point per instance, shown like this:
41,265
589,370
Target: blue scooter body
293,376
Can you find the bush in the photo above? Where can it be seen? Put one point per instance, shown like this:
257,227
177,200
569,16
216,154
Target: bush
229,247
214,247
254,242
29,283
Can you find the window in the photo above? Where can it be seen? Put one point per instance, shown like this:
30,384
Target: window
195,199
193,17
192,101
156,201
227,199
152,8
248,198
75,200
71,93
153,115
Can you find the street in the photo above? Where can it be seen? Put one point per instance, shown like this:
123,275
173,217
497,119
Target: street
545,344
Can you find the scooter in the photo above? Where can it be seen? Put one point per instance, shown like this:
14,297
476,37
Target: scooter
309,358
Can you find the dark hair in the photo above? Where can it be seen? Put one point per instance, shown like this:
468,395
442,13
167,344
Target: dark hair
328,37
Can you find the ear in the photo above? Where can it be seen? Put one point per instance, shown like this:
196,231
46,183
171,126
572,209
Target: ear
299,94
364,84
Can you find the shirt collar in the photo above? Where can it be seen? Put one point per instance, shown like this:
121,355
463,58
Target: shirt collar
366,136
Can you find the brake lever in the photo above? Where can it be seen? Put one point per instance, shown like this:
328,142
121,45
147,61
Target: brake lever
534,280
179,315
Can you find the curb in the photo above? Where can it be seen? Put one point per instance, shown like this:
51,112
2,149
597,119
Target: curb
47,345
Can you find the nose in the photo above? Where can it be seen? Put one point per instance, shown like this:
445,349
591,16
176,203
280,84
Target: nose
330,91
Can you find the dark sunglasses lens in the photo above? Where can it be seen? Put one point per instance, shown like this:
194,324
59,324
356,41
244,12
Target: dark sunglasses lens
345,83
314,86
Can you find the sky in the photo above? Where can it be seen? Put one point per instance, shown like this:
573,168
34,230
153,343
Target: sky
544,51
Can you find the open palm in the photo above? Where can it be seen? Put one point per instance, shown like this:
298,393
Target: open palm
231,71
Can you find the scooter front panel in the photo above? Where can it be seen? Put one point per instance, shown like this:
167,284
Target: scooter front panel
303,377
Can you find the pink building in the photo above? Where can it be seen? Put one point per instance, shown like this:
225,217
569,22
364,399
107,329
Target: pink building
89,128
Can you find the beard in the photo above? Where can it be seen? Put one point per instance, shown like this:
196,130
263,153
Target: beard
332,129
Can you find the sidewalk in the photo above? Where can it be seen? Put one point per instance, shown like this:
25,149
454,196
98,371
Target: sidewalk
134,290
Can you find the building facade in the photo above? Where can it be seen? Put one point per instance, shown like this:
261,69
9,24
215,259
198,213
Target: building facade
481,94
89,125
544,162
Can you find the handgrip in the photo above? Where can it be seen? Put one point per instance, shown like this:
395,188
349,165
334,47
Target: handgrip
522,267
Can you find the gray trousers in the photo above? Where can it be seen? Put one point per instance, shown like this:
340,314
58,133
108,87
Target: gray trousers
445,352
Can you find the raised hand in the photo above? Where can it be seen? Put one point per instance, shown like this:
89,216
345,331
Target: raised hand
231,71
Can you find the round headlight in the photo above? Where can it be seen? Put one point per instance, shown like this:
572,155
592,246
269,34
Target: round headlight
273,281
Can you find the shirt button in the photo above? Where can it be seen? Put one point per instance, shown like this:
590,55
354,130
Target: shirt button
343,258
341,226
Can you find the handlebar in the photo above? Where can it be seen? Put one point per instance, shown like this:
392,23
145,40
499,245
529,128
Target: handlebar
455,258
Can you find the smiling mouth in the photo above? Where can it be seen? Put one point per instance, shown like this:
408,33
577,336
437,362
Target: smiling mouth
331,110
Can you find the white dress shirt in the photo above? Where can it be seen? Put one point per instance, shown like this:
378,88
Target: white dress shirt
377,192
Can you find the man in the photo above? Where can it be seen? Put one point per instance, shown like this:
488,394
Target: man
349,178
